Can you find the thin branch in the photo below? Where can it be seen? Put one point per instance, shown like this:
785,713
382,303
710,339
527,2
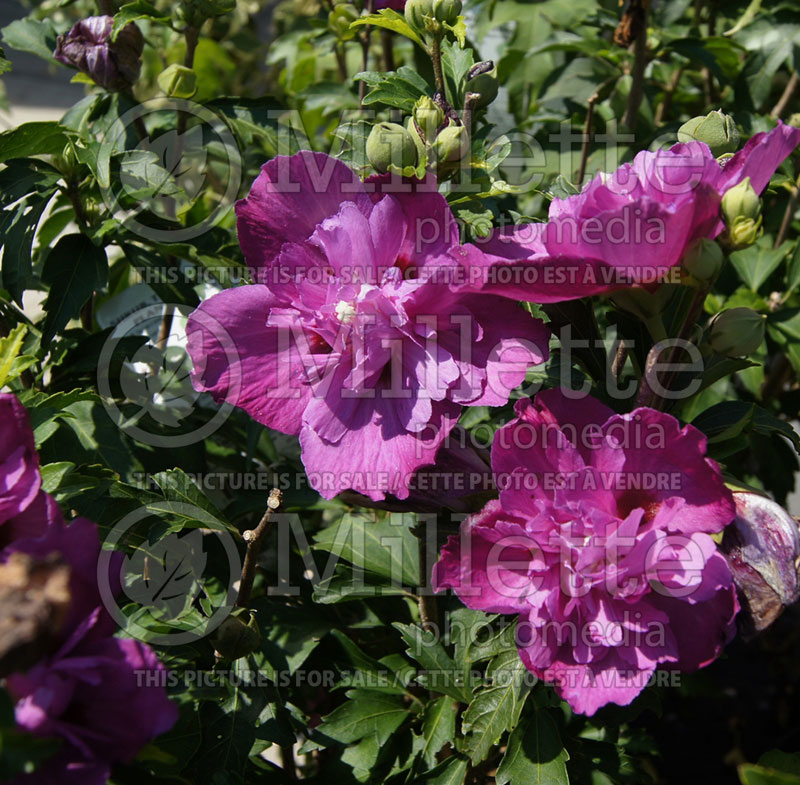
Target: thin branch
253,538
786,96
387,41
636,94
788,215
436,59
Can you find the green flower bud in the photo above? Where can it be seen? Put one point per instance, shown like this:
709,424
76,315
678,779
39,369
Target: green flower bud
451,145
389,144
741,201
703,261
340,19
428,116
737,332
485,85
237,636
428,16
794,120
447,11
744,232
416,12
178,81
716,129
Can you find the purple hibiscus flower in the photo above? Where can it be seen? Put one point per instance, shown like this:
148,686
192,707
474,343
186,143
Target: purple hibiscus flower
88,693
600,542
353,336
626,228
85,691
396,5
114,65
20,481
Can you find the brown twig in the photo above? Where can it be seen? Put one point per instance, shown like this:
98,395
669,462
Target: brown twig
289,765
647,396
253,539
436,59
787,215
387,41
636,94
786,96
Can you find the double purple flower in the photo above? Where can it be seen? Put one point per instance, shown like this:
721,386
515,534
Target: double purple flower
353,335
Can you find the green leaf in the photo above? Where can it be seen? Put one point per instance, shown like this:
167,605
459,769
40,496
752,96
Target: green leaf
750,774
496,707
535,754
452,772
374,670
31,35
399,88
756,263
385,546
438,727
793,270
177,486
730,418
366,713
441,674
17,229
73,269
10,347
390,20
130,12
39,138
22,176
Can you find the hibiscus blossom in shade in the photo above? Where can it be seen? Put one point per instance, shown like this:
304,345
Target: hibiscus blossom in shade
625,228
396,5
601,543
84,691
353,336
88,694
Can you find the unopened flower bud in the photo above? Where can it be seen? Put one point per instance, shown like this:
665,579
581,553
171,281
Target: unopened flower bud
737,332
452,144
716,129
741,201
428,116
237,636
743,233
703,261
389,144
762,547
178,81
428,16
114,65
447,11
485,86
340,19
